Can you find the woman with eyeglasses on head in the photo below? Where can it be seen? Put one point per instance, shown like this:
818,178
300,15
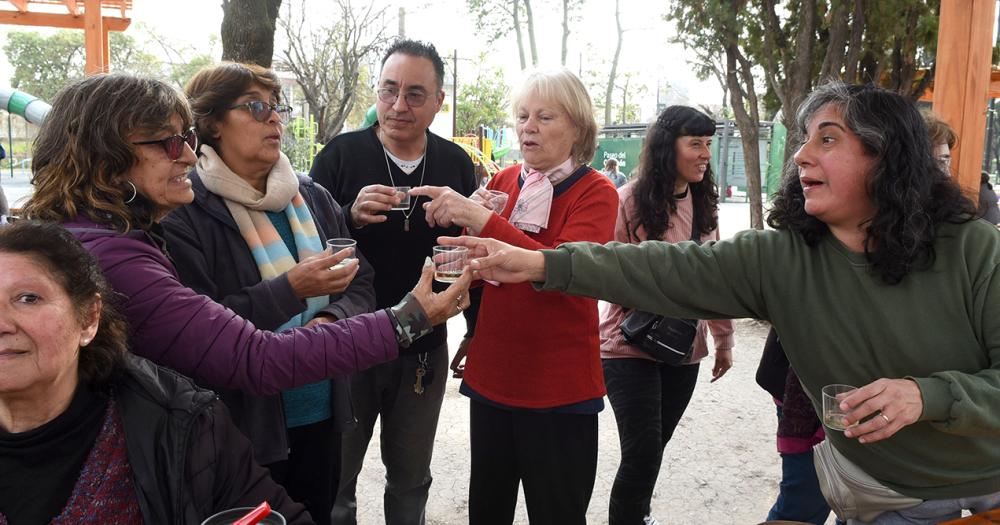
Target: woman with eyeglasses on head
248,241
110,162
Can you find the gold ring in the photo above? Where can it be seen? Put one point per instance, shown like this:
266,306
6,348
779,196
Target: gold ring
886,418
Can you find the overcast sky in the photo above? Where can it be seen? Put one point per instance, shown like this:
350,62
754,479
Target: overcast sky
447,24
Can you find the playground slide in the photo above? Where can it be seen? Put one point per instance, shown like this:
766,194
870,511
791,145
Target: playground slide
20,103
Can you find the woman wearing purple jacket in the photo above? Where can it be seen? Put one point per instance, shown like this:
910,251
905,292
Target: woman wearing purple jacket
109,163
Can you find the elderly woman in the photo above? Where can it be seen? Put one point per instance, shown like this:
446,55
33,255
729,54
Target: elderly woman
673,199
90,434
111,171
533,371
898,292
245,242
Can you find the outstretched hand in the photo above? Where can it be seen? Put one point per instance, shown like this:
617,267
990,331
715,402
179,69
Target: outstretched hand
498,261
449,303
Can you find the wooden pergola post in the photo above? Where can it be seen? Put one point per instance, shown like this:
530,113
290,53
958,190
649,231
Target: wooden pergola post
92,21
94,38
962,82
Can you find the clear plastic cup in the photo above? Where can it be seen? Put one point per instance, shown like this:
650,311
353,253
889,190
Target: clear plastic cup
339,244
405,203
833,416
449,261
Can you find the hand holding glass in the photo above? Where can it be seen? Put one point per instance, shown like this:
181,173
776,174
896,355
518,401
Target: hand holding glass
404,194
449,261
339,244
833,416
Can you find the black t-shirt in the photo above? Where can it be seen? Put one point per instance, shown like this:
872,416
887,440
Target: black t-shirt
39,468
354,160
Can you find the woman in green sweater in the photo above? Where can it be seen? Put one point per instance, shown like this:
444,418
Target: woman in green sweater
875,275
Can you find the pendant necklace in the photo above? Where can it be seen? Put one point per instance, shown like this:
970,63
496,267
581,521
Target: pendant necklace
423,171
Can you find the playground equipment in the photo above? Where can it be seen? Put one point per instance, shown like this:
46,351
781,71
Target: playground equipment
20,103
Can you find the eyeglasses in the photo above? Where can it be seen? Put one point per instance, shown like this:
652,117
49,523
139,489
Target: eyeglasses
174,144
414,99
261,111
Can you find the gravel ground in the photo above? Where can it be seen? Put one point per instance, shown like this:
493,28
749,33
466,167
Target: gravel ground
721,466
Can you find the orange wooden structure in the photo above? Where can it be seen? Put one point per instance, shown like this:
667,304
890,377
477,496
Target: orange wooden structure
962,81
88,15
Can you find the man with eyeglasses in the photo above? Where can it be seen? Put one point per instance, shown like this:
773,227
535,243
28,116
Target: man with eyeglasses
364,170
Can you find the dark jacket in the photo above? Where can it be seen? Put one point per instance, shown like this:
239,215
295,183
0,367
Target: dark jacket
174,326
212,257
187,458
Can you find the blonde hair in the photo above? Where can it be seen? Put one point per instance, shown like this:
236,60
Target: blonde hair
563,88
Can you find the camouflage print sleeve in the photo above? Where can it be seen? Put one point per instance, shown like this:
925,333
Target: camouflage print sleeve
409,320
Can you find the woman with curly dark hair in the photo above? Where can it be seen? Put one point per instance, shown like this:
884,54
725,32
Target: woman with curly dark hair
673,199
876,276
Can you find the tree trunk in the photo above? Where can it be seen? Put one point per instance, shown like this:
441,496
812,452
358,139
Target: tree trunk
737,68
248,30
833,61
614,68
854,46
798,78
565,33
531,33
517,31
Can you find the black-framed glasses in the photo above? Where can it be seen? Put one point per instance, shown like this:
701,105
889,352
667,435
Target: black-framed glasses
174,144
261,111
414,99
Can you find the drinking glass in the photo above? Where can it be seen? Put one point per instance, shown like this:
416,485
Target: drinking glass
449,262
339,244
405,203
833,416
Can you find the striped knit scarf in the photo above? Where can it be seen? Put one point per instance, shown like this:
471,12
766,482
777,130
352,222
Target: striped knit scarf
247,206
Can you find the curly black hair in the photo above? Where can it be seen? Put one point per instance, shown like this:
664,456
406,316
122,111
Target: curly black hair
911,194
657,173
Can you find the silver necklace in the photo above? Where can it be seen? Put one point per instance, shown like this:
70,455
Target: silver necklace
413,203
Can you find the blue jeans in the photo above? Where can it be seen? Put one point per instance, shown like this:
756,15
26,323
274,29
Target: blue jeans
799,497
648,399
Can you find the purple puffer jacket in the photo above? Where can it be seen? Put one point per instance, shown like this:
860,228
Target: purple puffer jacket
175,327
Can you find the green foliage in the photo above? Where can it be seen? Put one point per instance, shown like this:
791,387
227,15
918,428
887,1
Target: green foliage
484,102
44,64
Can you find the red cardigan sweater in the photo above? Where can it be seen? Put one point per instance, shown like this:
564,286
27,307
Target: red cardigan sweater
541,349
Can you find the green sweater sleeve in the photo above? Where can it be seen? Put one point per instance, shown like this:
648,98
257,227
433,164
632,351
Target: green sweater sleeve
713,281
964,403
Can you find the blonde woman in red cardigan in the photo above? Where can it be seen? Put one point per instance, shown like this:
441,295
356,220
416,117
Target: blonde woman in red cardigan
533,371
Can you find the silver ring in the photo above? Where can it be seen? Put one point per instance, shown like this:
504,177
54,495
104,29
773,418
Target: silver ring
886,418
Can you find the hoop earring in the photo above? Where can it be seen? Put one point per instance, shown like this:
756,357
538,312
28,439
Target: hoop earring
135,192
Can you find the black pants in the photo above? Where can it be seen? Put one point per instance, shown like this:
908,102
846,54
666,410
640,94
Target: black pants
312,470
554,456
649,399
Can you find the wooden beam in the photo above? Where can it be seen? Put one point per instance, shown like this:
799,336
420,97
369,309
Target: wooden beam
72,6
93,38
21,5
65,21
962,82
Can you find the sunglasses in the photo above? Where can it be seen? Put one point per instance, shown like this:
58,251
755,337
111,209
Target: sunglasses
261,111
174,144
414,99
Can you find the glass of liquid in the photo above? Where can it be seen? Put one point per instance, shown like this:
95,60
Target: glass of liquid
449,262
495,200
338,244
833,416
403,192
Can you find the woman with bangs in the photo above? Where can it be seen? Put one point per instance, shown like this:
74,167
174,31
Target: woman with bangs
673,199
